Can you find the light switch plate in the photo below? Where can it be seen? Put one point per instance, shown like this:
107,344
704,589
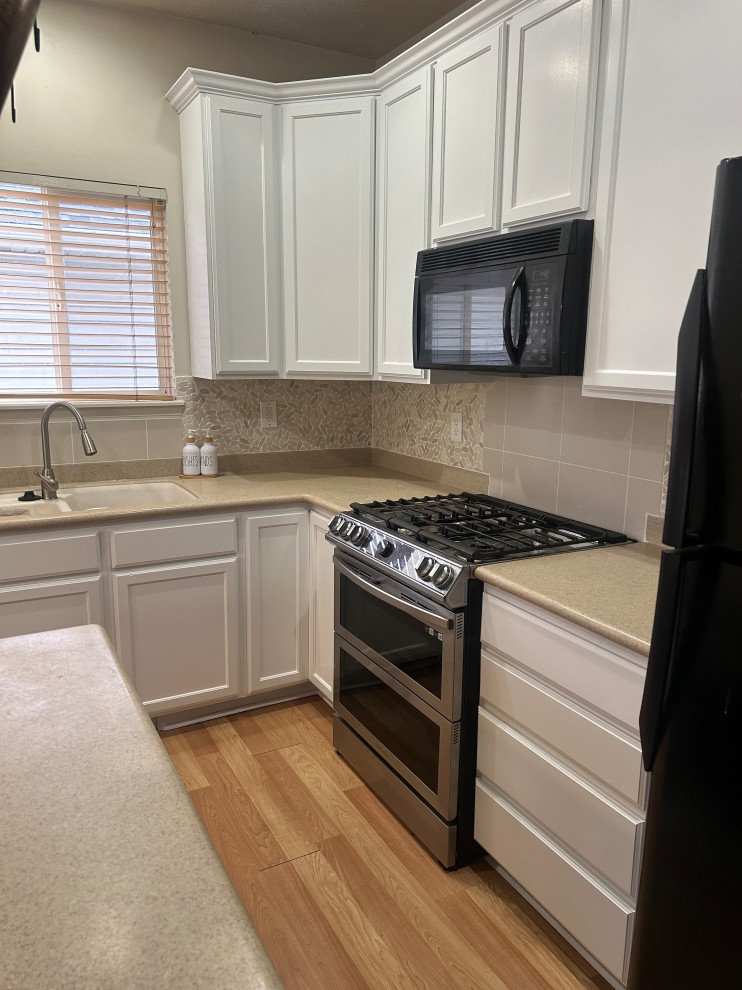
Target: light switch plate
457,427
268,418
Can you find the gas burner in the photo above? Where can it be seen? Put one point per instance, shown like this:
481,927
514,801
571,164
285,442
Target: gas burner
480,529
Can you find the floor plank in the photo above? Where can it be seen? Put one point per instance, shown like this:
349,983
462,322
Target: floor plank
305,950
341,893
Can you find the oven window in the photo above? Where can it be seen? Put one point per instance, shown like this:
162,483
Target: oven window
406,732
402,640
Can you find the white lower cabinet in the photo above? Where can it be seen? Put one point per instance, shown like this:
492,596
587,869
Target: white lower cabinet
561,793
277,596
177,632
41,607
321,606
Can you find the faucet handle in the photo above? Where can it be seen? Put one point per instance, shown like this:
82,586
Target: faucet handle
48,481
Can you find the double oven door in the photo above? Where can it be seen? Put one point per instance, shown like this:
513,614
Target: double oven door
398,673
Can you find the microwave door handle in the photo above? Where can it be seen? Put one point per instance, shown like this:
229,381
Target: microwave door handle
514,351
436,621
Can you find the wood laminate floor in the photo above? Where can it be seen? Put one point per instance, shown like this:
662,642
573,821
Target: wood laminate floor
342,895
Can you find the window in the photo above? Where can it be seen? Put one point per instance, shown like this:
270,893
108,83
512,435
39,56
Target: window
84,294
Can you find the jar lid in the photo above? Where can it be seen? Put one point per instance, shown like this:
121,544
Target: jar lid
208,438
190,438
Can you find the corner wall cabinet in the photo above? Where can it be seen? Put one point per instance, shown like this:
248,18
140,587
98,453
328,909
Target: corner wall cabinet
327,197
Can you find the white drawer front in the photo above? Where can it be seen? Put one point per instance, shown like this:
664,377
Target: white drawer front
612,758
173,541
603,679
599,920
26,559
598,831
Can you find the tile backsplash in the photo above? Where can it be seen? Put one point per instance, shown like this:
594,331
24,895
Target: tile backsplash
539,440
541,443
311,415
597,460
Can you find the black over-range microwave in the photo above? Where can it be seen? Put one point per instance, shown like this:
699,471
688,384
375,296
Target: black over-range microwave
513,303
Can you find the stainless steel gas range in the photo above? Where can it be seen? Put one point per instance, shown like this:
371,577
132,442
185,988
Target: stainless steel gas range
407,645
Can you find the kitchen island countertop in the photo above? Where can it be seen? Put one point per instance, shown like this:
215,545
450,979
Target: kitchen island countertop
107,878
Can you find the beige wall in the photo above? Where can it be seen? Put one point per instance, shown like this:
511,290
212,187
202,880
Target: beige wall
90,104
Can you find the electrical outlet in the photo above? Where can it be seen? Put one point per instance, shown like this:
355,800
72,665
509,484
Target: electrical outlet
268,418
457,427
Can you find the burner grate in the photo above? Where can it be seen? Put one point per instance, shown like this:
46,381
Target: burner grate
481,528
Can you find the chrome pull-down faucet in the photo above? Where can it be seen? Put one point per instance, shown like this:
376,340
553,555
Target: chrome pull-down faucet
49,483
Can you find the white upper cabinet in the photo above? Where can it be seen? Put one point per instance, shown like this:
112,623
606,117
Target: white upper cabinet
552,59
672,112
327,197
403,170
465,129
232,236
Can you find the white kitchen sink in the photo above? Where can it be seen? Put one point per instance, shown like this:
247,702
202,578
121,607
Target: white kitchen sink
96,497
124,496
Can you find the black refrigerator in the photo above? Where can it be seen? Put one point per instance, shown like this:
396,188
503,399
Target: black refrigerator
688,929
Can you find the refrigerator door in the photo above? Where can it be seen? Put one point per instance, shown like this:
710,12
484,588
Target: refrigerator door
685,450
689,908
722,521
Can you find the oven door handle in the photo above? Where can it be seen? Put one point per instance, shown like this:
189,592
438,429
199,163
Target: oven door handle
436,621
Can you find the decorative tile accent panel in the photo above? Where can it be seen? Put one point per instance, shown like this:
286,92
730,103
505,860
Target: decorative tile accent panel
311,415
666,469
416,420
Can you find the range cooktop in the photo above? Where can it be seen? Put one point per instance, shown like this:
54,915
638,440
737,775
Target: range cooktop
480,528
436,541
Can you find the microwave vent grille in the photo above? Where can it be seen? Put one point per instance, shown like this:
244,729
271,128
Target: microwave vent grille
503,248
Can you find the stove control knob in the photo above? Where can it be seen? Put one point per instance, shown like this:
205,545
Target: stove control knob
443,576
346,529
336,525
358,536
385,549
425,567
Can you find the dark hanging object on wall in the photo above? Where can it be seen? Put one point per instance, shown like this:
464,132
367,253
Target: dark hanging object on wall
16,20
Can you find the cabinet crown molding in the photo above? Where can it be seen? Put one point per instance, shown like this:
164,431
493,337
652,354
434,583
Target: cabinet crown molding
194,81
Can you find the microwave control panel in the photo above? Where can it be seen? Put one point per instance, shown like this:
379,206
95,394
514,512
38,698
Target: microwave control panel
539,318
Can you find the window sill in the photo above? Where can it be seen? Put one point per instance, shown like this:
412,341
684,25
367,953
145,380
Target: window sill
149,407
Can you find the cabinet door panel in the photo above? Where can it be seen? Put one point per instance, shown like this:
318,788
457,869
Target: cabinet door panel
243,235
277,600
467,84
36,608
404,122
327,201
552,62
322,606
177,633
666,126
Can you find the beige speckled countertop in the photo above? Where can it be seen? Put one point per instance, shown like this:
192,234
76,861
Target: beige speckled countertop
331,489
107,878
609,590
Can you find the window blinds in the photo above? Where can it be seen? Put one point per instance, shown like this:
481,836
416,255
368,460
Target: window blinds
84,295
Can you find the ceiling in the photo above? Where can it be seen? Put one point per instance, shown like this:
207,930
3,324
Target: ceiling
370,28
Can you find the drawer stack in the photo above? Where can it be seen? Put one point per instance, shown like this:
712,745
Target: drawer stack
561,792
